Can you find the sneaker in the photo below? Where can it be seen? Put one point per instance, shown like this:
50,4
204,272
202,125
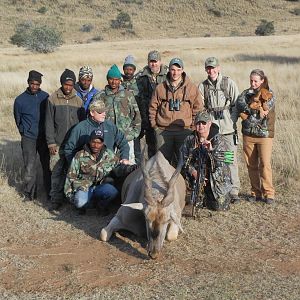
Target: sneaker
254,198
103,211
234,198
26,197
81,211
268,200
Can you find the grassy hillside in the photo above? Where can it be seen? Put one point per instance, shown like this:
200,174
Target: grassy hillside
86,21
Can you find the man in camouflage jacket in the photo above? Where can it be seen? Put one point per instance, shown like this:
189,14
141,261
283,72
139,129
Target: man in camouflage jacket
85,184
122,108
153,74
217,184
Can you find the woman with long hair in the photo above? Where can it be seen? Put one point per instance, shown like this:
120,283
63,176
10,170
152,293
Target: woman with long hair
256,106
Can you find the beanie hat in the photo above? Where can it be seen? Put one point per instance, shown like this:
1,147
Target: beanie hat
97,134
67,75
34,76
114,72
129,61
85,71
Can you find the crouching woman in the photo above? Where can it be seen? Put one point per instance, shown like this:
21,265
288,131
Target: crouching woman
258,132
87,184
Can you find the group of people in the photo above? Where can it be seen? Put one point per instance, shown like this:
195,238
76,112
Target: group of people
87,138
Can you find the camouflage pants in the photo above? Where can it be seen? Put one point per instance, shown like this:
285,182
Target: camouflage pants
58,166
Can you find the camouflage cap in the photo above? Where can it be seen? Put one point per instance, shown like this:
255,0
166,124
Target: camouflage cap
98,106
176,61
154,55
203,116
211,62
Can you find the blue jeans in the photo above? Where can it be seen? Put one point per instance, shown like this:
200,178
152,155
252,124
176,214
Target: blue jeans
100,195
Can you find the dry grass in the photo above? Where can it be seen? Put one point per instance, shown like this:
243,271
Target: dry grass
249,252
151,19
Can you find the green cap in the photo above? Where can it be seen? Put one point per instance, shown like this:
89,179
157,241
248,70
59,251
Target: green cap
176,61
203,116
114,72
211,62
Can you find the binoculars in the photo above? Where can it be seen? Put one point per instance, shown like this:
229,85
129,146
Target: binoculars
174,105
218,114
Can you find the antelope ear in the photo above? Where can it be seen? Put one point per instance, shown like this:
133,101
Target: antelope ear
136,205
176,220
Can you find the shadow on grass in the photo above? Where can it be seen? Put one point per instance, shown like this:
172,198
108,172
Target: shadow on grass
11,166
11,162
269,58
91,224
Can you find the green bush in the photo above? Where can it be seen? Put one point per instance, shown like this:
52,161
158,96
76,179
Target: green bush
123,20
42,10
97,38
86,28
41,39
21,32
296,11
265,28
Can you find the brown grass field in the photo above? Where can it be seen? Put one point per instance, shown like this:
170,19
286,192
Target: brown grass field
250,252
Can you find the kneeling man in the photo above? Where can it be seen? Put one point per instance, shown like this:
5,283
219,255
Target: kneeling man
87,179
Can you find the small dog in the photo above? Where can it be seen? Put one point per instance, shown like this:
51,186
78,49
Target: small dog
259,102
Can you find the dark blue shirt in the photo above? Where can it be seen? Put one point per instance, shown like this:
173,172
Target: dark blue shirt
29,113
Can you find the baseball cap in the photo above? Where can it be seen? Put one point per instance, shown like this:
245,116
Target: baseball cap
211,62
154,55
176,61
98,106
203,116
97,134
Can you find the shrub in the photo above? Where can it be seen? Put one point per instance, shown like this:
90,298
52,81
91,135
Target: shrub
21,32
123,20
139,2
86,28
215,12
296,11
97,38
265,28
41,39
42,10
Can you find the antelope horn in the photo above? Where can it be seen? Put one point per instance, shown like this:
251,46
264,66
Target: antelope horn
170,193
147,180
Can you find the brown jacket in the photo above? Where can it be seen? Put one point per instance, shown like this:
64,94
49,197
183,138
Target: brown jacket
190,102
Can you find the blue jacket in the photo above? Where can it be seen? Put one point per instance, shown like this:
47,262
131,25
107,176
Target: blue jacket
86,98
29,113
80,135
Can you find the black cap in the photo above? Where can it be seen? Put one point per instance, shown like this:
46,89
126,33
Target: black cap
67,75
34,76
97,134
